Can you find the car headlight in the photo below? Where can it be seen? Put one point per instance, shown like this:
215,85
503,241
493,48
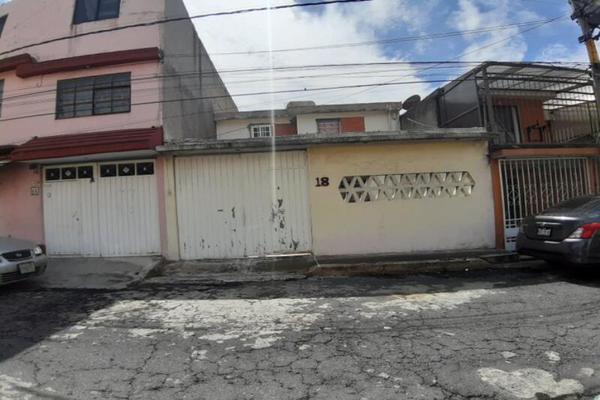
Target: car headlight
38,251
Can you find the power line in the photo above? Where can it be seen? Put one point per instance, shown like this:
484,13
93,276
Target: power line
441,35
549,21
186,18
10,101
304,90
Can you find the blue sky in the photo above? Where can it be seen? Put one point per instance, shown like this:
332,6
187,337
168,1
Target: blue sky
372,22
375,21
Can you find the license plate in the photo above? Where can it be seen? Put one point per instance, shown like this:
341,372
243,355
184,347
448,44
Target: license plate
545,232
27,268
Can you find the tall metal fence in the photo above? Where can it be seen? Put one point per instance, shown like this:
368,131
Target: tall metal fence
531,185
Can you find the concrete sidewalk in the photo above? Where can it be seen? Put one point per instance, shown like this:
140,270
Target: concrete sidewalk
96,273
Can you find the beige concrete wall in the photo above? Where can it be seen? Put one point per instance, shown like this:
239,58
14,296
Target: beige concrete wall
375,121
400,226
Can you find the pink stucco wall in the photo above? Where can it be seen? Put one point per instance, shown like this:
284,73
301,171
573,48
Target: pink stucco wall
28,107
20,211
26,17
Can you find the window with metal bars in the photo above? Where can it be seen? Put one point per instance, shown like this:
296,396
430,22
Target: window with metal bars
96,10
97,95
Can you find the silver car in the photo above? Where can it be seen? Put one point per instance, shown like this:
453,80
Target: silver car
20,259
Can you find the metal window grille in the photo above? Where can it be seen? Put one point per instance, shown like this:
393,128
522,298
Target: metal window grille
96,95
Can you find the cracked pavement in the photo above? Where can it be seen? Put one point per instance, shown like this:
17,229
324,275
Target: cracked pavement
501,334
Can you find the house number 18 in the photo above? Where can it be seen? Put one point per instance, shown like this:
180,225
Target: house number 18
323,182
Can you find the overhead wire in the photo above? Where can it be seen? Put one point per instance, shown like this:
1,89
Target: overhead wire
180,19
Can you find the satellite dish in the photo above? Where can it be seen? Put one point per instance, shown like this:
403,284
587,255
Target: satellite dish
411,102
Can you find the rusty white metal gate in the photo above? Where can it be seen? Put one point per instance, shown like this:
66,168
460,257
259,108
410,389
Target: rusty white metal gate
531,185
234,206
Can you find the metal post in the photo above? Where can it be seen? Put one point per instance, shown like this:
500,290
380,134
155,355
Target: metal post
590,44
489,107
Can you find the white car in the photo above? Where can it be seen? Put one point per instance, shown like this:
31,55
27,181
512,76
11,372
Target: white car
20,260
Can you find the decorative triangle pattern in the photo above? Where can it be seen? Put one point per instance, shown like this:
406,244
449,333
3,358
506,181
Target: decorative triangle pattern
428,185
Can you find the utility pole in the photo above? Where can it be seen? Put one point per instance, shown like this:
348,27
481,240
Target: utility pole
581,15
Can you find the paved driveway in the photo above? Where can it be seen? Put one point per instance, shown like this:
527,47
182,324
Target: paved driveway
488,335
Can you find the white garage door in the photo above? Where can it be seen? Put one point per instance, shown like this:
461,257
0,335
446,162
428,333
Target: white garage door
233,206
102,209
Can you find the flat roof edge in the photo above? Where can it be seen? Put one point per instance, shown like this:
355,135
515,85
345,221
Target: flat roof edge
305,141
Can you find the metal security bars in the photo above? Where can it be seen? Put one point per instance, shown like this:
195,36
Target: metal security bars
540,107
521,103
532,185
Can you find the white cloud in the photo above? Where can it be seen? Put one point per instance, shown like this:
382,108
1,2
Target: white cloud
291,28
560,52
477,14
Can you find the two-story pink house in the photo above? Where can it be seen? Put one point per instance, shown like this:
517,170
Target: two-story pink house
88,89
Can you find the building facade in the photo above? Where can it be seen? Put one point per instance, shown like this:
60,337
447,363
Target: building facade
84,104
306,118
546,127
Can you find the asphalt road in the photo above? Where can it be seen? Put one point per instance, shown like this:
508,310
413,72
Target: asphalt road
481,335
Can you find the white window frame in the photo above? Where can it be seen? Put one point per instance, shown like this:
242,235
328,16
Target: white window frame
258,130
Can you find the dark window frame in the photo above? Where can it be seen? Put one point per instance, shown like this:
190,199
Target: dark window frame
1,94
93,83
77,19
3,23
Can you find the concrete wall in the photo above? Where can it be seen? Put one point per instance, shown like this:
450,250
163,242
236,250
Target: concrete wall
239,128
400,226
20,211
190,74
375,121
